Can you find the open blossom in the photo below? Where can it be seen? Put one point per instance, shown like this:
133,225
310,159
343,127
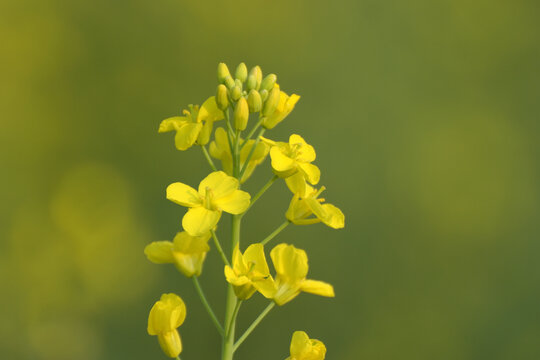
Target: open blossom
186,252
217,192
304,348
220,149
307,203
249,272
291,266
195,126
165,317
293,158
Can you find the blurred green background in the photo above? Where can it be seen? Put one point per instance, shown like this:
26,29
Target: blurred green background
425,117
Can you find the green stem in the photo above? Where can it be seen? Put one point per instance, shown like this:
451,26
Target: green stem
207,305
219,248
251,152
233,319
254,325
208,158
275,232
248,137
261,192
229,130
228,340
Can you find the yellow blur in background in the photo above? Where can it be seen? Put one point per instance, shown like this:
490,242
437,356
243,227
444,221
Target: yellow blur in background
424,116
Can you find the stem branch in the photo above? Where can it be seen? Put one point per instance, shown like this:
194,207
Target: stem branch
207,305
254,325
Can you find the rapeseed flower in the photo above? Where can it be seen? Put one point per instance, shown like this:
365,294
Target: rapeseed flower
186,252
291,266
306,203
284,107
165,317
249,272
195,126
294,158
221,150
304,348
217,192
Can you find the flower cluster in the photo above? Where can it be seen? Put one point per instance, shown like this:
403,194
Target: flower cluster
240,151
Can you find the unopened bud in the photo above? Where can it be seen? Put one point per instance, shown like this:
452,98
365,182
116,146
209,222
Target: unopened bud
268,82
241,114
222,97
222,72
257,72
272,102
251,82
264,94
229,82
254,101
241,72
236,93
238,83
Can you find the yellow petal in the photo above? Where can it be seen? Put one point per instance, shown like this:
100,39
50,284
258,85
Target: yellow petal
266,287
183,194
318,288
199,220
172,123
281,162
335,218
289,262
220,183
159,252
185,243
317,208
186,135
296,183
209,111
170,343
310,172
236,203
254,254
306,152
300,344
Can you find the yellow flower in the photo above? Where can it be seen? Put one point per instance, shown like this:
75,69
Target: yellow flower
305,204
217,192
195,125
291,266
294,157
304,348
166,315
186,252
285,106
250,273
221,150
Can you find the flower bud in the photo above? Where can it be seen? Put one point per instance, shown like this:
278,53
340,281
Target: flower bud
238,83
268,82
264,95
222,72
241,114
229,82
236,93
254,101
257,72
222,97
241,72
251,82
272,102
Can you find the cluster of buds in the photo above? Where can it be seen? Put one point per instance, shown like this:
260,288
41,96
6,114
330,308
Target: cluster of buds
248,93
251,93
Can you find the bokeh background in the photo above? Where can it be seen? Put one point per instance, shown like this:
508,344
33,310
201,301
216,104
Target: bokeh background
425,117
